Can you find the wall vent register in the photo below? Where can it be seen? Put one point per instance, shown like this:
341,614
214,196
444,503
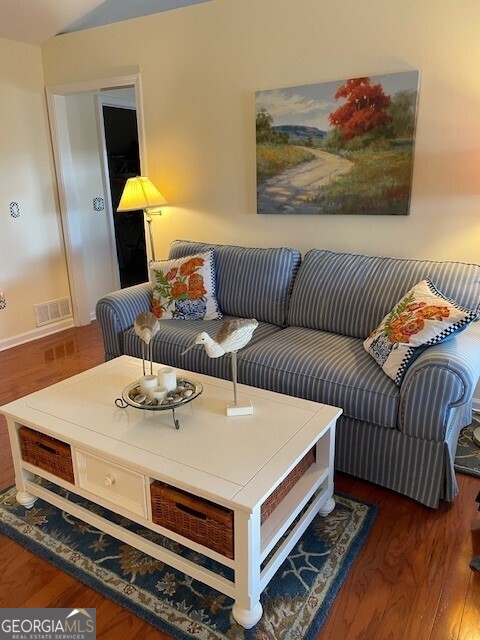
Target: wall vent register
47,312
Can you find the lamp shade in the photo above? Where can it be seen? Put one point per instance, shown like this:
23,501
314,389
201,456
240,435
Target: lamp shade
140,193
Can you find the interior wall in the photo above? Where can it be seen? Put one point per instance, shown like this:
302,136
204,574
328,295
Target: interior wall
32,263
200,69
86,159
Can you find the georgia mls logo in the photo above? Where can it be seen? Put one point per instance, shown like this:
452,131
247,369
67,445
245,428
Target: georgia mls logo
47,624
88,624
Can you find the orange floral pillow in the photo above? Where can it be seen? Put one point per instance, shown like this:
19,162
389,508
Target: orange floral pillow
185,288
422,318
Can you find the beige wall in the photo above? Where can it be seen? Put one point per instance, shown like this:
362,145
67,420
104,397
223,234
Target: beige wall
32,264
200,69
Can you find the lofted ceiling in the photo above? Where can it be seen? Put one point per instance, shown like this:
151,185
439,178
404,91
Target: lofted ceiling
35,21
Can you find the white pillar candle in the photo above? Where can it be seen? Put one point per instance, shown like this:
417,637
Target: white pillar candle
158,393
167,378
147,383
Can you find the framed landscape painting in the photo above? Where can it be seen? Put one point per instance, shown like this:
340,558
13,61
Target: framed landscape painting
341,148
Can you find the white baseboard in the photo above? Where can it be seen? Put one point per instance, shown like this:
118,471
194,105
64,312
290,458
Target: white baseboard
35,334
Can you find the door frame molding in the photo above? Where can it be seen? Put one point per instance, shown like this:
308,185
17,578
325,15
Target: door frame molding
64,169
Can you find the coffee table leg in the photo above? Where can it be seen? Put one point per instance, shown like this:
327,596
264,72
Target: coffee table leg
26,499
247,609
23,497
327,508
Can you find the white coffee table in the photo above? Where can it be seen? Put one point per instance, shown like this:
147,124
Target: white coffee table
235,462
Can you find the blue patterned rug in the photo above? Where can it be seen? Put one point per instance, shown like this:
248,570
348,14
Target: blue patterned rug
467,458
295,603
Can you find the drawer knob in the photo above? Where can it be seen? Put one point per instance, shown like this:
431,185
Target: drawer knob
109,480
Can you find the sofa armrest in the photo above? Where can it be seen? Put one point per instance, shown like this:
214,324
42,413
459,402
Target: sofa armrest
117,311
442,377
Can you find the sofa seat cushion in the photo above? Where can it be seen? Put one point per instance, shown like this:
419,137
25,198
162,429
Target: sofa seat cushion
324,367
175,336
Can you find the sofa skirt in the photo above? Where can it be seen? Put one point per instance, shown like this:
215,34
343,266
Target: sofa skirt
418,468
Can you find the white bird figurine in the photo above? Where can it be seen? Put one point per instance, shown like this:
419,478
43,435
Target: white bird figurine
146,325
232,335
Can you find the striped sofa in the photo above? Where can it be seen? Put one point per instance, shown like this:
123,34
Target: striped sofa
313,317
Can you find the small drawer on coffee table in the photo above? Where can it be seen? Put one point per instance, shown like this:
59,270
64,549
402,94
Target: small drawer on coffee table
115,483
195,518
46,453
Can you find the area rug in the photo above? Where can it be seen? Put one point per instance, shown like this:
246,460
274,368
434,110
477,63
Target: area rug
295,603
467,458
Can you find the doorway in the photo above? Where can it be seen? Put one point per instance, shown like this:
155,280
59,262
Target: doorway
123,159
76,204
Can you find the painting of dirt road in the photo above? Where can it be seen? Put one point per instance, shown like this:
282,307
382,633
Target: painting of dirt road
342,148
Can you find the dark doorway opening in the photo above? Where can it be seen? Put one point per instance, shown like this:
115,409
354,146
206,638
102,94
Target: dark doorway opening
121,140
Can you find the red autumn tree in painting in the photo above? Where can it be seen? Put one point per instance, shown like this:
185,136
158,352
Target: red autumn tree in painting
365,108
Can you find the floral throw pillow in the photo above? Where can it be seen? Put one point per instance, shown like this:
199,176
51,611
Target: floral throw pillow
422,318
185,288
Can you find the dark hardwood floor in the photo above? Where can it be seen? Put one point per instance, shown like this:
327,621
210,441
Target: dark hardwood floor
411,580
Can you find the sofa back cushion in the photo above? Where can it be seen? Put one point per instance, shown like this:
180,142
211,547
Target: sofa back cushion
251,282
349,294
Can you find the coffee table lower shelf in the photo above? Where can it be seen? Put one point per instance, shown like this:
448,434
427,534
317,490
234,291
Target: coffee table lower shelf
311,494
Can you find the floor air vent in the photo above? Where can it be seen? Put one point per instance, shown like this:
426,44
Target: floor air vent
47,312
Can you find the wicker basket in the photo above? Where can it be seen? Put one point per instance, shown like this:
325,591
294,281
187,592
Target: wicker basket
206,522
286,485
46,453
195,518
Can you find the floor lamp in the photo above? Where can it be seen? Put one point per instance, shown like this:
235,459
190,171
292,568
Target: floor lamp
140,193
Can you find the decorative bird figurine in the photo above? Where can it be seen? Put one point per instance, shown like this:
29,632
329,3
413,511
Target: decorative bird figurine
232,335
146,326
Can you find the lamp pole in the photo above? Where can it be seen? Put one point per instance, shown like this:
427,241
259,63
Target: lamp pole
148,218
